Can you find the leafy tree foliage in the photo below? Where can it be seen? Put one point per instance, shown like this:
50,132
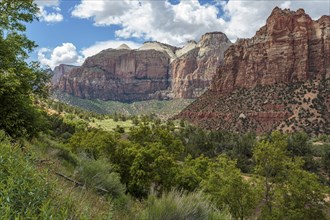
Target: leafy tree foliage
18,80
154,156
299,145
289,191
94,143
326,160
144,134
192,171
198,141
300,196
227,187
152,166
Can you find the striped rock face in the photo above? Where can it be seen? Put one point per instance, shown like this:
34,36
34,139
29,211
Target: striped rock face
153,71
278,79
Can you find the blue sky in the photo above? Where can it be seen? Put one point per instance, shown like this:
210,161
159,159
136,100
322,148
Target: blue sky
68,31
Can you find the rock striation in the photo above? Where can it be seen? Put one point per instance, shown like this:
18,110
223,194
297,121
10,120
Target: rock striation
153,71
59,71
291,47
278,79
120,75
193,70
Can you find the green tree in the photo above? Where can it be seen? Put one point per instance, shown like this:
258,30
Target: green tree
300,196
271,159
95,143
192,171
299,145
144,134
227,187
326,159
289,191
19,81
242,151
152,166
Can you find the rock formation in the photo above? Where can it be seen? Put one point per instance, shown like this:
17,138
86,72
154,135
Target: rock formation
196,64
120,75
154,71
277,79
291,47
59,71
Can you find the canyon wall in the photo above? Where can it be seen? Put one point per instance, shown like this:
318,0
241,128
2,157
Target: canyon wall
278,79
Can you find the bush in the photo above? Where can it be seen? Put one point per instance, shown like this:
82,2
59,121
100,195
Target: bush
98,174
24,190
94,143
177,205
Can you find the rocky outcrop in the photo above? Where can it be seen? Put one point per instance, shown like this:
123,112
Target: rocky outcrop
277,79
120,75
59,71
196,65
154,71
291,47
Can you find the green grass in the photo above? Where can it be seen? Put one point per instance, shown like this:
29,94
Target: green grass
110,124
162,108
177,205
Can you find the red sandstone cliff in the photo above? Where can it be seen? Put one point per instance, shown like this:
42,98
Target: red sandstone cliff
59,71
154,71
121,75
291,47
280,78
193,72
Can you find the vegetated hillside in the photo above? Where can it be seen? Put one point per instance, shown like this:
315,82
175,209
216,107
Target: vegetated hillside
54,165
279,79
154,71
161,108
159,169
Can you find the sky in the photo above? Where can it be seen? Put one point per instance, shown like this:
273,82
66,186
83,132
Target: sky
69,31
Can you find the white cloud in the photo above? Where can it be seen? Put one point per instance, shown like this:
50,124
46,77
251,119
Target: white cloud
99,46
64,54
156,20
67,53
175,24
246,17
50,17
47,3
285,4
45,8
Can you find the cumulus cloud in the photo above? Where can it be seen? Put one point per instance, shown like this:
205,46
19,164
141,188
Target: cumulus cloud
47,3
153,20
99,46
50,17
49,11
64,54
67,53
189,19
246,17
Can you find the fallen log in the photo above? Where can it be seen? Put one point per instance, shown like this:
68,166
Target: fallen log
68,178
79,183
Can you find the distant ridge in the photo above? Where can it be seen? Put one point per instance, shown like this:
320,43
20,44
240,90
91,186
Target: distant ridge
153,71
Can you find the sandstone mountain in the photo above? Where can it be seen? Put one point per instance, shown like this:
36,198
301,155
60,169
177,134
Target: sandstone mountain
278,79
59,71
196,65
154,71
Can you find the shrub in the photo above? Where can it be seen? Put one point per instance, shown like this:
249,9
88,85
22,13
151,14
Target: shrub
24,190
98,174
177,205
